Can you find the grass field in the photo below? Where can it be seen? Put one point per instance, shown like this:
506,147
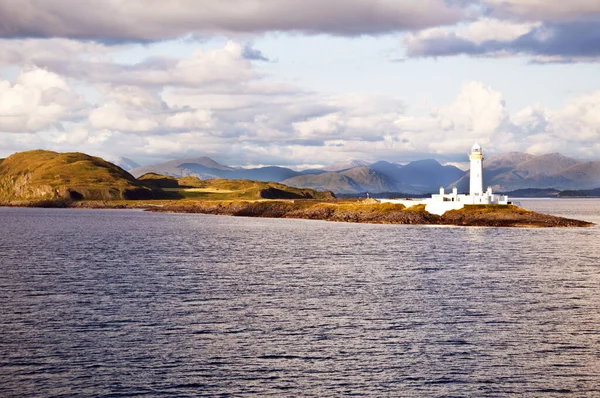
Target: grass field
222,189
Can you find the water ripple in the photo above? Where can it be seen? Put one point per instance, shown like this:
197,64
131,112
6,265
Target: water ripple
127,303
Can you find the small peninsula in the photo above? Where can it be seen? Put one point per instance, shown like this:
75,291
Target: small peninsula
76,180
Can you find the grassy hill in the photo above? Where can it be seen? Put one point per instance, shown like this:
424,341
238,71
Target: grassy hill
223,189
46,175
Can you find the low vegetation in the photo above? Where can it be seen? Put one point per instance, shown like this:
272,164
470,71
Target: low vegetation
347,211
506,216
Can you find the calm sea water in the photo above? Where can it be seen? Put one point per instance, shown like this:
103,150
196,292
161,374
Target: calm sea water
123,303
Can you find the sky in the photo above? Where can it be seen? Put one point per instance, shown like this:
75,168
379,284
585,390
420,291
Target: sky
300,83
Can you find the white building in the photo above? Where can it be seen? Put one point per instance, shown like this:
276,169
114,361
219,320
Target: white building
476,181
442,202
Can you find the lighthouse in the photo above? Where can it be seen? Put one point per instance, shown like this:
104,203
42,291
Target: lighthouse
476,183
442,202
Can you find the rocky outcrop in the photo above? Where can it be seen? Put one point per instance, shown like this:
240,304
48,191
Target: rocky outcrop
490,215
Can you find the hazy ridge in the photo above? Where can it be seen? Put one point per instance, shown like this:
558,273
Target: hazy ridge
504,172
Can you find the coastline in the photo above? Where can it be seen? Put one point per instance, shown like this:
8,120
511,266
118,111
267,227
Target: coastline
370,212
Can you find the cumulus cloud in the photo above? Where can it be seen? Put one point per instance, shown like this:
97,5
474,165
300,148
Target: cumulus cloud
225,65
110,20
579,120
305,129
37,100
475,115
532,120
352,116
137,110
114,116
215,103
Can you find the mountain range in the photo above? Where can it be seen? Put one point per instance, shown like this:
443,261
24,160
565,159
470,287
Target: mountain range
515,170
124,163
504,173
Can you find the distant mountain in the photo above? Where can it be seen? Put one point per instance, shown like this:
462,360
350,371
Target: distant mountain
269,173
387,168
583,175
329,181
544,165
417,177
507,161
309,171
380,177
345,165
428,175
351,181
522,171
203,167
125,164
421,176
206,168
505,173
369,179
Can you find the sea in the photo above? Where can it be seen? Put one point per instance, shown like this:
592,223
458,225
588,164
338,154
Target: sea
118,303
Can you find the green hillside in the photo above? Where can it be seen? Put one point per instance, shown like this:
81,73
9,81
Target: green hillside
223,189
47,175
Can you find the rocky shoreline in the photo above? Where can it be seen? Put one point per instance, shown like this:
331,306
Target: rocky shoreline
336,210
482,216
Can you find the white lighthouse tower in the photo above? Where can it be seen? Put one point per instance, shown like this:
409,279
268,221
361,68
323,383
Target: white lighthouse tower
476,183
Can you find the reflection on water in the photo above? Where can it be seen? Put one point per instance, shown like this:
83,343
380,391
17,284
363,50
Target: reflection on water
128,303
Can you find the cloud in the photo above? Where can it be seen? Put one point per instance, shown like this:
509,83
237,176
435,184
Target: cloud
475,115
251,53
51,53
566,40
532,120
535,10
225,66
214,103
569,40
37,100
114,116
132,109
352,116
111,20
579,120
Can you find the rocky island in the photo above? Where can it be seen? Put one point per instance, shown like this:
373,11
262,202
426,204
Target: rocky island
75,180
377,213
